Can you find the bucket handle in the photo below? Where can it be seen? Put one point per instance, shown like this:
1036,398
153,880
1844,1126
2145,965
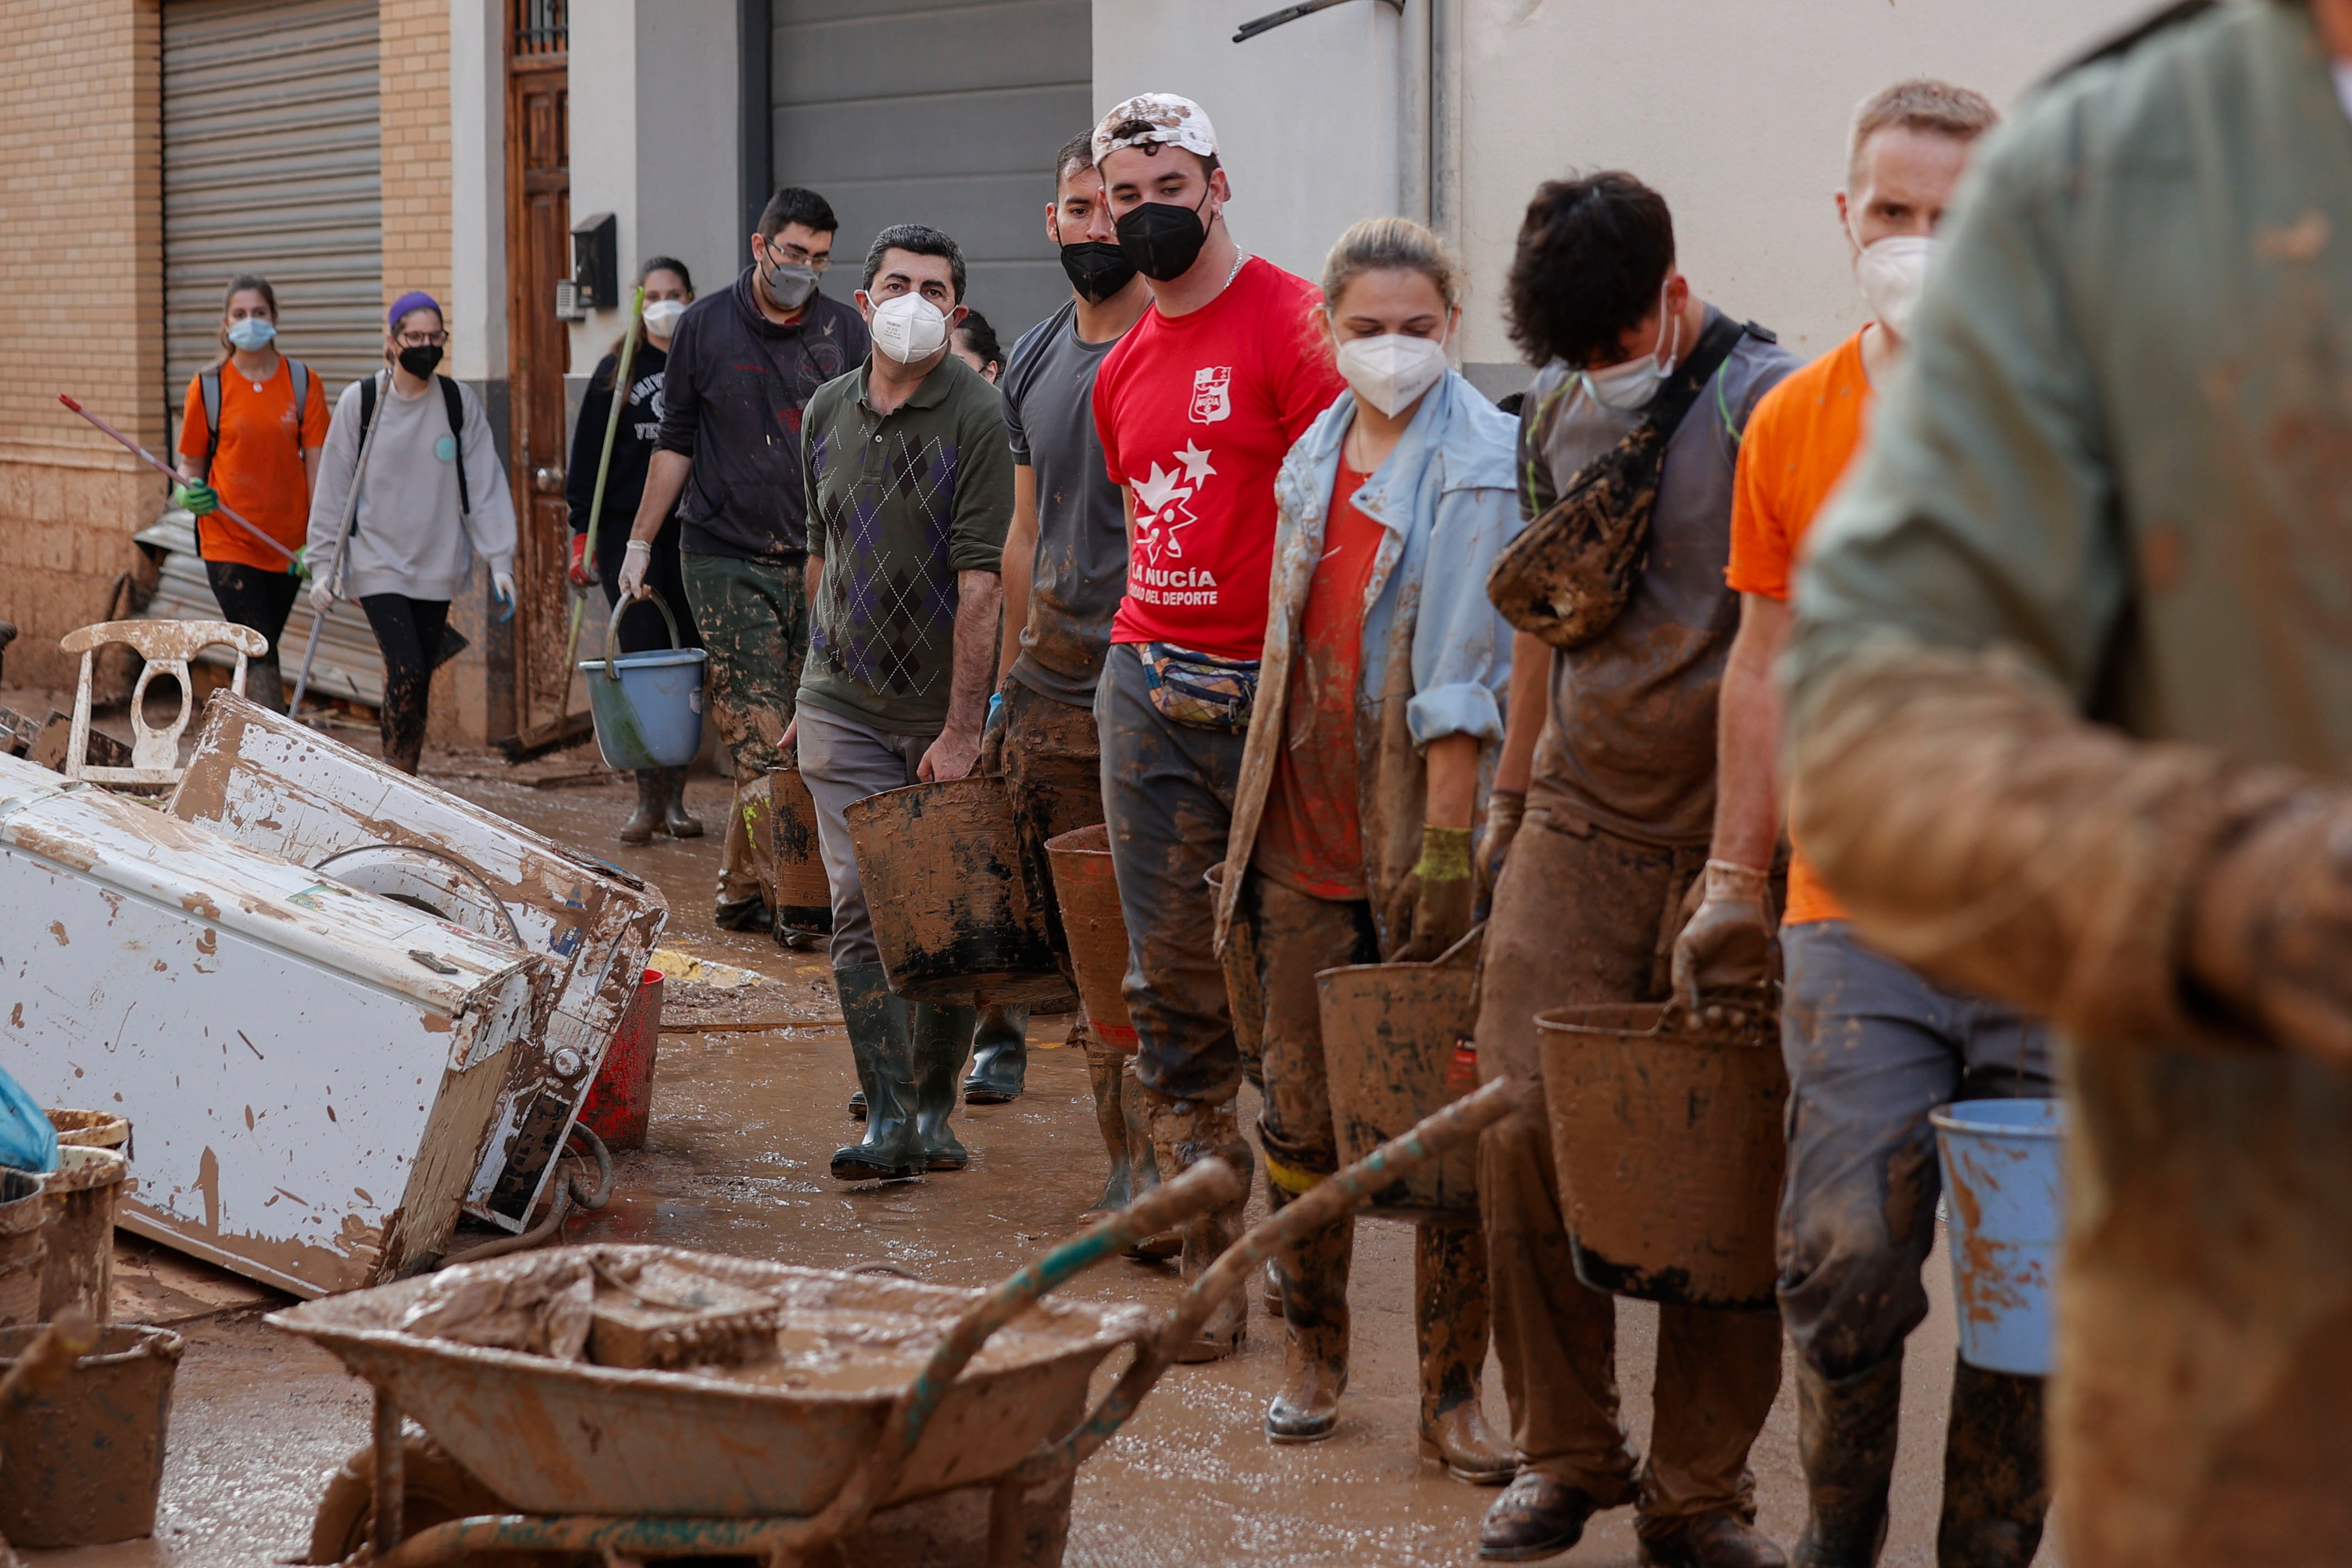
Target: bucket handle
613,631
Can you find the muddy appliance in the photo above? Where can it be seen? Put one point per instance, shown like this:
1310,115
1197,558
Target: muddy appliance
312,1067
279,786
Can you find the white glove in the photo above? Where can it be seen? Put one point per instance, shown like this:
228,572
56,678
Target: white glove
502,590
637,560
322,595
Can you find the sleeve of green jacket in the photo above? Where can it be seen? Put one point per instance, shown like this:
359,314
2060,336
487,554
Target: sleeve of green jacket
984,488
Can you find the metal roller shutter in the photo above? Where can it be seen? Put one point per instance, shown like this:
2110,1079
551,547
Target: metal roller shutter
942,113
271,165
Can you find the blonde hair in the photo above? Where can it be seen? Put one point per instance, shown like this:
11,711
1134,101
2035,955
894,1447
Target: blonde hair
1388,245
1921,103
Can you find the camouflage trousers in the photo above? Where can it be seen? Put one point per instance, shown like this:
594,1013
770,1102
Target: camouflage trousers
753,617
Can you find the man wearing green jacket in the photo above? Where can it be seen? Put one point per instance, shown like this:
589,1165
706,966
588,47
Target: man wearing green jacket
2072,713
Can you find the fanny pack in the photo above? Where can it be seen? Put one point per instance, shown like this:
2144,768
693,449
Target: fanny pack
1568,574
1199,689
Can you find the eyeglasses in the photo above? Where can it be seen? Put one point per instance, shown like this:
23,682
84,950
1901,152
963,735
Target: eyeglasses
422,340
794,255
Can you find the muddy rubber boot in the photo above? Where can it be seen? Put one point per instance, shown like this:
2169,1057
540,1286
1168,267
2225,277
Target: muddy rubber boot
1142,1164
1314,1331
265,683
1846,1438
1184,1134
942,1038
1000,1056
646,819
742,903
677,821
1104,1076
1451,1322
1996,1484
858,1105
881,1041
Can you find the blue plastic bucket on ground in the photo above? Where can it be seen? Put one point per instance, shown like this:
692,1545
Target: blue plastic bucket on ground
647,706
2004,1190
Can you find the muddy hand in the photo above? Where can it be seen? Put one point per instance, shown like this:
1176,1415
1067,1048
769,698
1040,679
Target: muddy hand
1505,809
2273,922
1444,891
949,757
1727,944
992,735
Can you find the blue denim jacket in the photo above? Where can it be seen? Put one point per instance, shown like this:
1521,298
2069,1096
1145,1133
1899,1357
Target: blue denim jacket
1437,657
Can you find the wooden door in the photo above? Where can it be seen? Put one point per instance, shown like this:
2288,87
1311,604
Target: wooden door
538,242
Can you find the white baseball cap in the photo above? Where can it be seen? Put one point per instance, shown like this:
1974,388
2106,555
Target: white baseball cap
1165,118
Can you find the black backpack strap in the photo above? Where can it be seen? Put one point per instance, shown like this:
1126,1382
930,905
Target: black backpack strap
208,388
1690,378
453,401
302,374
367,406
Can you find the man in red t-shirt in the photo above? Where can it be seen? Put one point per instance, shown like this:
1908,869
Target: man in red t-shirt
1196,408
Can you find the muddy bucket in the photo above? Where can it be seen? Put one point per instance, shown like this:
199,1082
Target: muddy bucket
2000,1162
1396,1049
83,1195
619,1103
92,1130
803,896
1243,996
647,706
85,1455
23,1217
1668,1138
951,911
1088,889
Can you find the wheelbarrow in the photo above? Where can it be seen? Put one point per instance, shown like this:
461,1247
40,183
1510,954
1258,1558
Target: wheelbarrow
598,1463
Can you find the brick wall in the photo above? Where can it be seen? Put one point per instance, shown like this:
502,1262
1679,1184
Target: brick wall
413,60
81,170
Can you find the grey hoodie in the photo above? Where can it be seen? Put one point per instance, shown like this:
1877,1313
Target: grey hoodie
411,536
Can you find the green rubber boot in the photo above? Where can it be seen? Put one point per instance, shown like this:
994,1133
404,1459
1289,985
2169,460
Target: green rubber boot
1000,1056
942,1040
882,1043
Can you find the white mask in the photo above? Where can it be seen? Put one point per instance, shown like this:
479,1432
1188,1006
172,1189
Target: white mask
1393,370
908,327
1890,273
1633,386
661,316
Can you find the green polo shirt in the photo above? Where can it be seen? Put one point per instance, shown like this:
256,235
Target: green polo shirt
898,504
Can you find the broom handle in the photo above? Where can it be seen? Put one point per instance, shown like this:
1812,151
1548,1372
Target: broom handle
169,472
603,470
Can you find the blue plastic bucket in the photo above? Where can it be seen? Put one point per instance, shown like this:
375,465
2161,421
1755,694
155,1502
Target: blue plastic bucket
2005,1192
647,706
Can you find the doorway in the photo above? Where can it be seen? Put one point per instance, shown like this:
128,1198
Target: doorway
539,348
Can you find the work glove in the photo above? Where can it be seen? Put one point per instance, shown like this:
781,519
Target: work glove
502,590
1727,946
322,595
583,570
201,500
992,739
1504,809
634,563
2270,923
1442,890
299,566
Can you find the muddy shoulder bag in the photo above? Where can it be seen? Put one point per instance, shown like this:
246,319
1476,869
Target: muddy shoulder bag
1199,689
1567,576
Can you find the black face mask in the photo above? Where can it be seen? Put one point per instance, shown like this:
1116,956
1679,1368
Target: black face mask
419,358
1096,270
1163,239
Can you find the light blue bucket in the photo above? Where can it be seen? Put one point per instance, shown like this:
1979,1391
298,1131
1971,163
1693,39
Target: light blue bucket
2005,1192
647,706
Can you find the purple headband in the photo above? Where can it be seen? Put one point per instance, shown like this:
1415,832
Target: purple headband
415,300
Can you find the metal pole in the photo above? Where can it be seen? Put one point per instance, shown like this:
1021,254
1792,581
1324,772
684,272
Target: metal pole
342,543
604,467
171,473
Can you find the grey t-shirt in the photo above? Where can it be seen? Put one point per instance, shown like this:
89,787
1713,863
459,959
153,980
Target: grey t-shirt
1631,745
1081,566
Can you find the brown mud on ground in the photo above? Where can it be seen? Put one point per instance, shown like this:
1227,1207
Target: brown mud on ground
743,1124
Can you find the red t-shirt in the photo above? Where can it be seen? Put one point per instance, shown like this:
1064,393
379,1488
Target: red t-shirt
1311,838
1196,413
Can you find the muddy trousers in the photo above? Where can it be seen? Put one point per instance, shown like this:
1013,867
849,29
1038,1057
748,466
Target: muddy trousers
1581,917
1168,795
843,761
1052,772
408,631
258,597
753,616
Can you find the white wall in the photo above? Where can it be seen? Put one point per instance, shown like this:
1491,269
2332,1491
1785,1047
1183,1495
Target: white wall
654,140
477,194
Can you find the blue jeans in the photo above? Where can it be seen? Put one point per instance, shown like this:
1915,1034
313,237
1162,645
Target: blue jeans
1872,1048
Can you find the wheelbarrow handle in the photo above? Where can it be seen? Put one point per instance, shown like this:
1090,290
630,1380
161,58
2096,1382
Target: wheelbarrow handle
1332,1198
1204,1187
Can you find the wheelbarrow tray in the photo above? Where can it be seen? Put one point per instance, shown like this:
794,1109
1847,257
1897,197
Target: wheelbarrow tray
555,1437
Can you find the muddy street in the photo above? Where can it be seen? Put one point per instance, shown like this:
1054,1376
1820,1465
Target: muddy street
744,1121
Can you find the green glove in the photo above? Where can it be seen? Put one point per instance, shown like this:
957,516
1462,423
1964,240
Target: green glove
200,499
1442,890
300,567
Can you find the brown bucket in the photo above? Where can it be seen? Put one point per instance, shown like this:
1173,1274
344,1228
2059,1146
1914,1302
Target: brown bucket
83,1195
1244,995
86,1453
1670,1148
91,1129
801,896
22,1214
951,911
1396,1039
1087,890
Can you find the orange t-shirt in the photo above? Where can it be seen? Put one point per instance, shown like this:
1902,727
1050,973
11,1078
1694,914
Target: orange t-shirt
258,469
1799,442
1312,837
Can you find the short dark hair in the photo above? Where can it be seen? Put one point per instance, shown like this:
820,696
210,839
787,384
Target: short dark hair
1593,252
1078,153
795,204
1209,161
652,264
916,240
982,339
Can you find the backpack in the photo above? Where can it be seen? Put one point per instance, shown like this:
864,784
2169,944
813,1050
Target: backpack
208,386
455,407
